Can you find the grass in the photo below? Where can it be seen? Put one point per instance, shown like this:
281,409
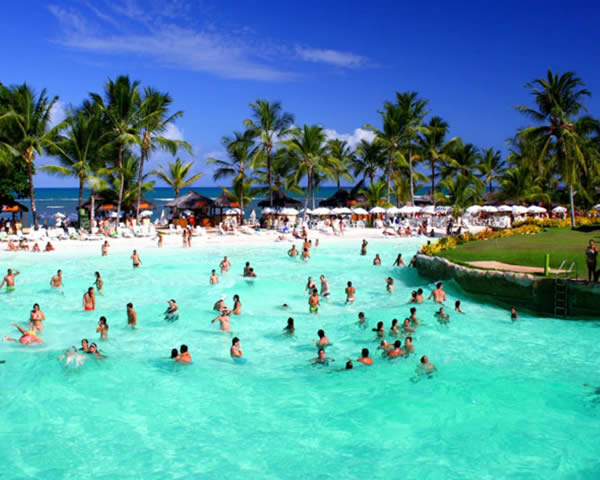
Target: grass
530,250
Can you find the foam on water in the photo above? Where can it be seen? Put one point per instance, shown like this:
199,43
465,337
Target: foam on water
508,400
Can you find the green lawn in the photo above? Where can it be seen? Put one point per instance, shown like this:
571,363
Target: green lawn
529,250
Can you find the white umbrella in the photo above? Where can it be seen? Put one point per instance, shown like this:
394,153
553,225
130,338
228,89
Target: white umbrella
59,215
308,211
267,211
489,209
321,211
596,207
409,209
341,211
163,216
473,209
113,215
188,212
428,210
360,211
519,210
560,209
252,215
232,211
536,209
443,209
377,210
146,213
393,211
288,211
504,208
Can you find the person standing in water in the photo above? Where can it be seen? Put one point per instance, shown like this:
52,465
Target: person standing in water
184,355
313,301
398,262
223,319
214,278
350,291
56,280
99,282
438,295
105,246
377,260
363,247
225,265
89,300
236,348
322,358
364,357
9,279
324,287
136,259
513,314
426,367
102,328
389,284
36,318
131,316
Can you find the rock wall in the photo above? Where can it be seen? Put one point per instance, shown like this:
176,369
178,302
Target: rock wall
514,289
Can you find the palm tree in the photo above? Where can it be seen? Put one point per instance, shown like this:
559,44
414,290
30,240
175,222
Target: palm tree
369,159
402,185
460,192
463,159
414,109
241,150
121,113
26,130
520,184
154,120
559,100
309,145
375,193
77,150
490,165
270,124
434,148
342,153
177,175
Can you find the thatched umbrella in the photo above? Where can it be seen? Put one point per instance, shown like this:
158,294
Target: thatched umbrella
280,199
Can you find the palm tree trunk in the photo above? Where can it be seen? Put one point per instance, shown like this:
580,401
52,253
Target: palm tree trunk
120,164
242,198
389,178
433,181
139,189
410,172
306,200
92,208
81,180
270,177
32,195
571,195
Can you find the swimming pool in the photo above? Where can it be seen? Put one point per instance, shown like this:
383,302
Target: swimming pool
508,400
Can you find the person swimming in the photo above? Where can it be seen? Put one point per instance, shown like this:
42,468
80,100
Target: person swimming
513,314
174,353
102,328
396,350
406,326
389,284
322,358
394,328
425,367
289,329
323,340
28,337
457,307
364,357
362,320
380,330
184,355
172,312
408,345
72,358
442,317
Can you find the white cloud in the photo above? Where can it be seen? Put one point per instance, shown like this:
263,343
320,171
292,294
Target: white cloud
332,57
172,132
354,138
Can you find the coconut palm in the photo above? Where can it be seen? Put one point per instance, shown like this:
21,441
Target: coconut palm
308,144
269,125
240,148
369,159
176,175
520,184
376,193
154,120
559,100
26,131
463,159
460,191
78,148
342,153
402,185
121,113
490,165
434,147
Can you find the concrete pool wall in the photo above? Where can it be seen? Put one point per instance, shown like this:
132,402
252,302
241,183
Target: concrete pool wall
538,294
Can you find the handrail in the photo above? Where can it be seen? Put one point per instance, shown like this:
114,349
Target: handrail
560,268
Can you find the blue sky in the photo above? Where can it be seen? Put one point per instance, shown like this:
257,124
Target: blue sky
330,63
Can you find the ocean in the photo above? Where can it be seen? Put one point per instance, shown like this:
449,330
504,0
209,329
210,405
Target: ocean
50,201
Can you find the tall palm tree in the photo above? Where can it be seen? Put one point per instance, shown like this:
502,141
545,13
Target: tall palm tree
154,120
520,184
369,159
121,113
309,145
176,175
434,147
490,165
26,130
463,159
342,153
240,148
269,125
414,109
375,193
460,191
559,100
78,148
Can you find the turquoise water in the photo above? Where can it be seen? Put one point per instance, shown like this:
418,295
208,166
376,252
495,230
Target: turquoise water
508,400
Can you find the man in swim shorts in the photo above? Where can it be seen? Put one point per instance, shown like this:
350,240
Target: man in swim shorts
136,259
313,301
89,300
223,319
438,294
324,287
56,280
28,337
293,252
225,264
9,279
350,291
323,340
214,278
131,316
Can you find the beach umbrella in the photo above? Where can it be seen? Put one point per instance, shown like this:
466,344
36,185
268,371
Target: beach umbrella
360,211
59,215
113,214
321,211
377,210
443,209
232,211
519,210
267,211
288,211
252,215
163,216
146,213
428,210
341,211
596,207
560,209
473,209
504,208
308,211
489,209
409,209
393,211
536,209
189,213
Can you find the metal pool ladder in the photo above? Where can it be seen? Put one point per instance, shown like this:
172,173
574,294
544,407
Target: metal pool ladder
561,290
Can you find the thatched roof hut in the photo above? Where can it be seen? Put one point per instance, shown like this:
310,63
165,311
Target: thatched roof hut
190,201
226,201
280,199
8,205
